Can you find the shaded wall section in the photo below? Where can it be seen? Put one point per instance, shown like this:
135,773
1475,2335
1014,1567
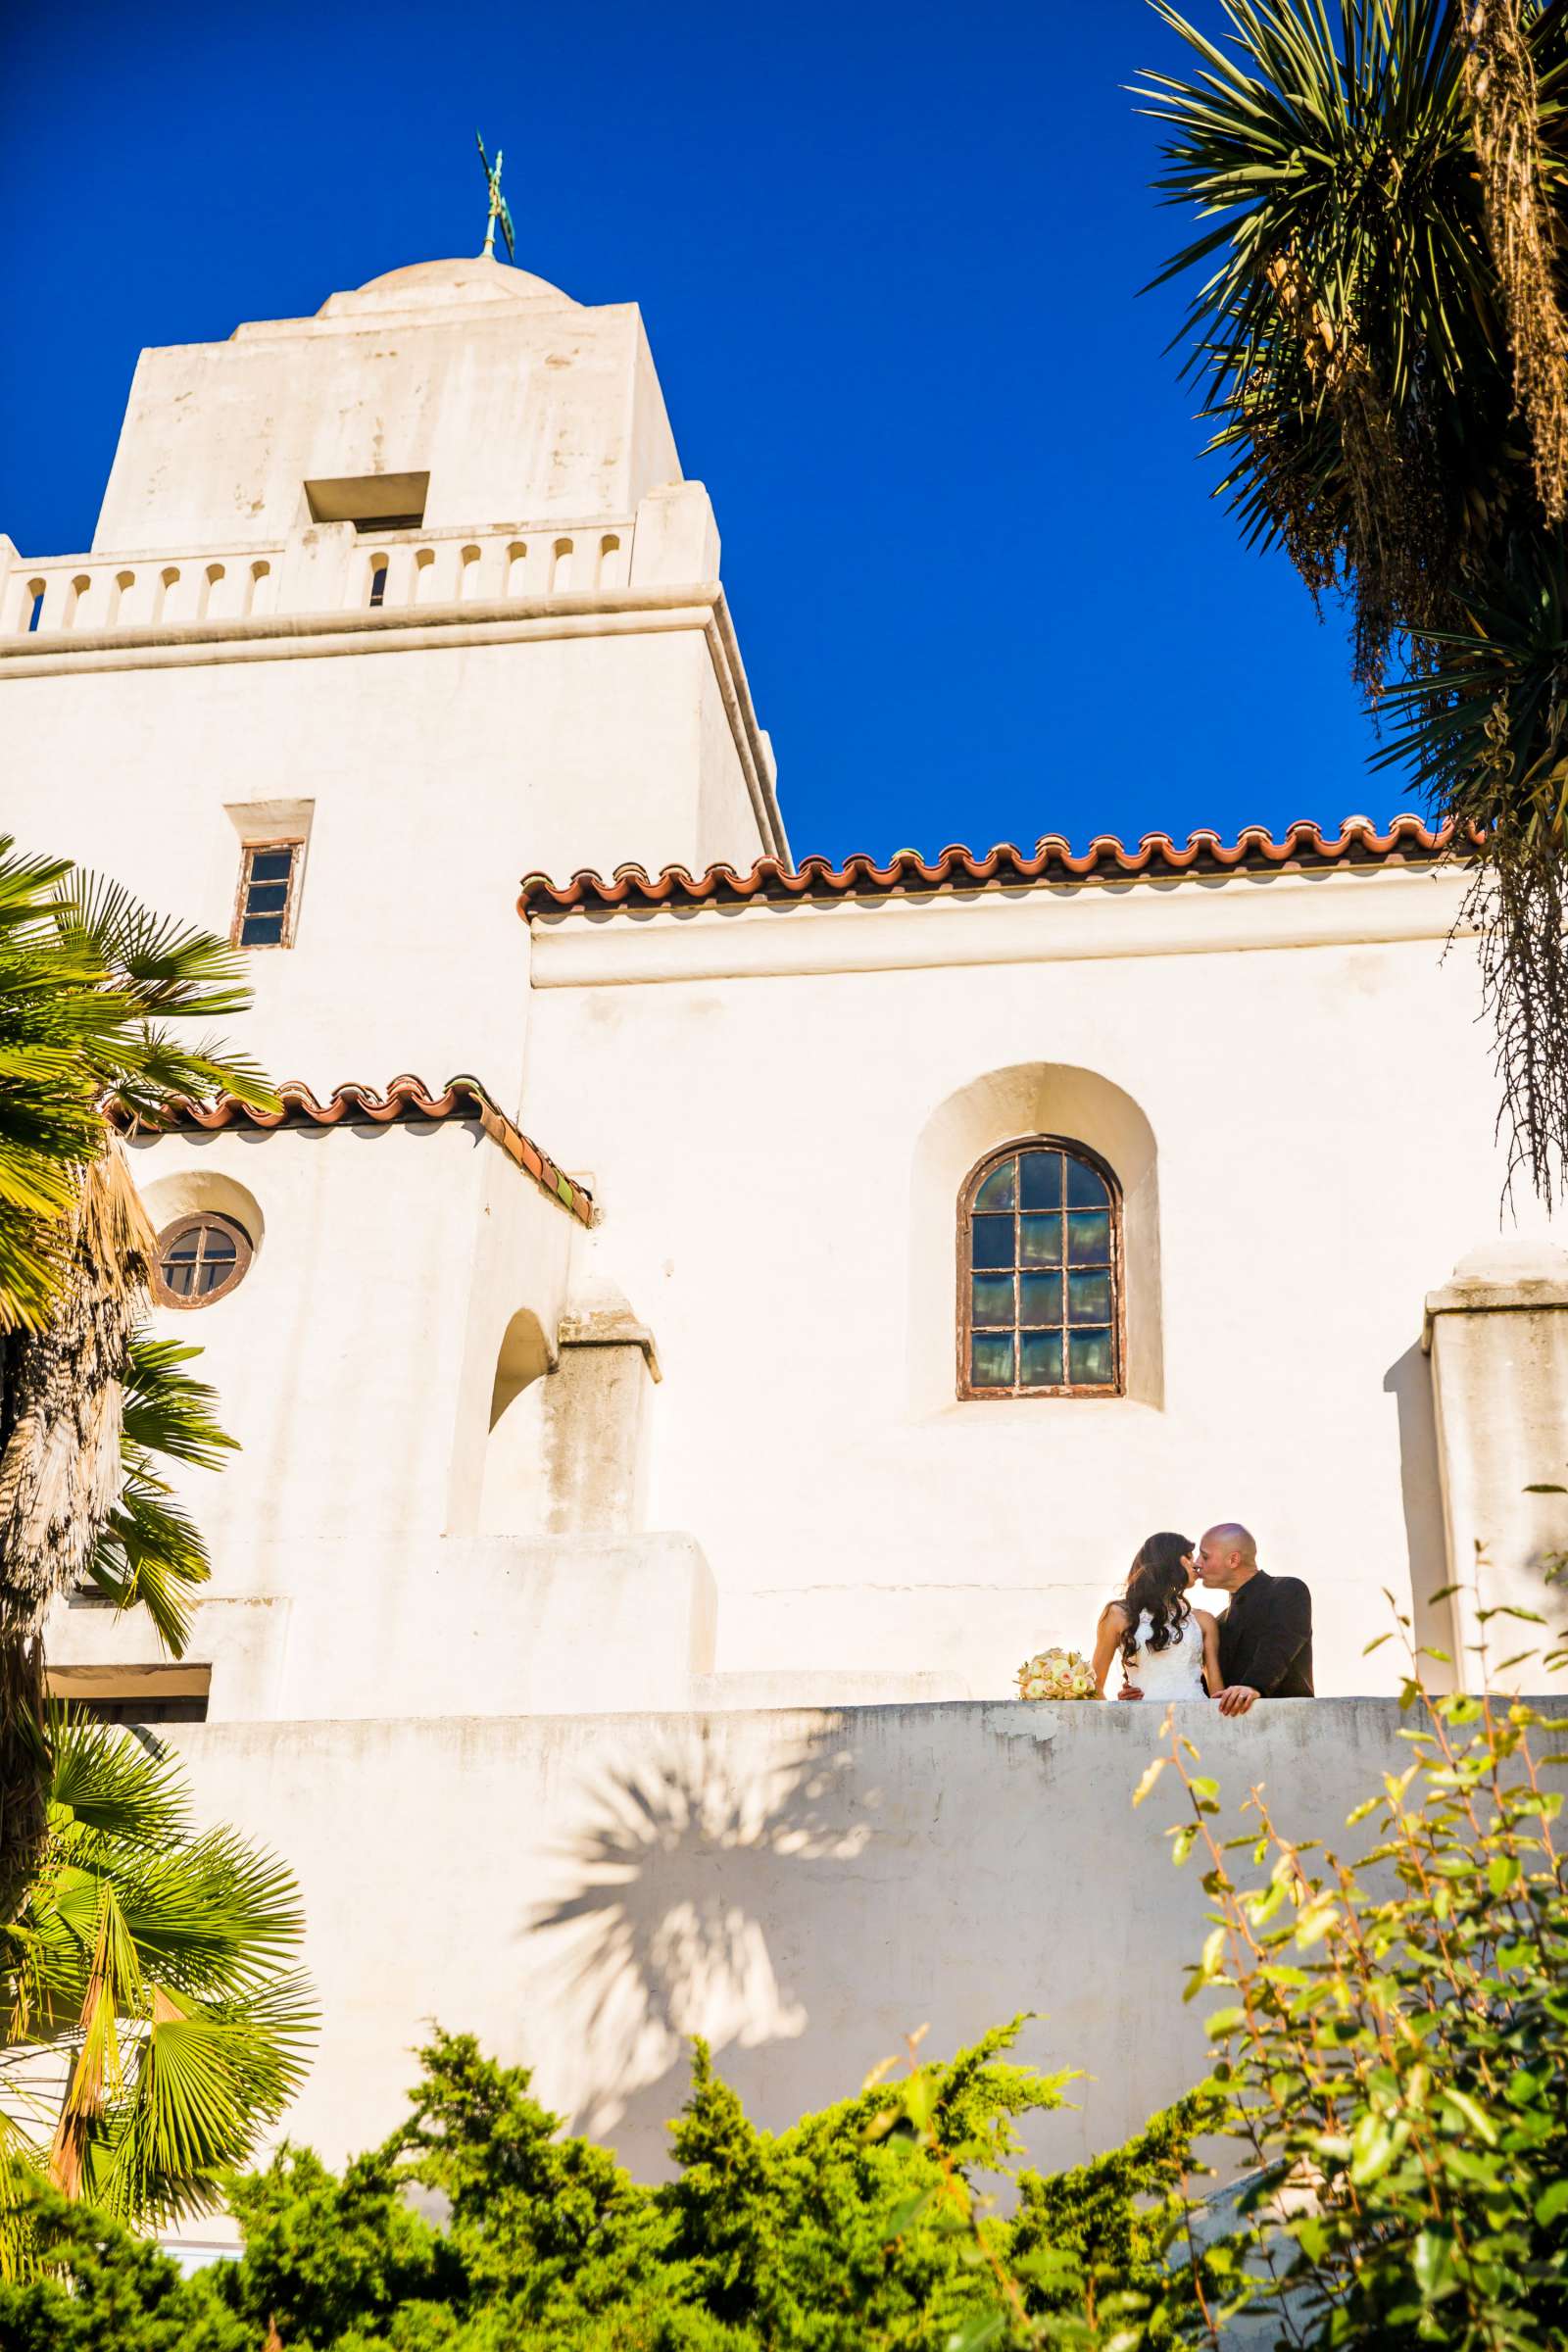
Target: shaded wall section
802,1887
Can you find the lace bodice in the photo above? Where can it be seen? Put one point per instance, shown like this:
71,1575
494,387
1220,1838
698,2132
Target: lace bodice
1174,1672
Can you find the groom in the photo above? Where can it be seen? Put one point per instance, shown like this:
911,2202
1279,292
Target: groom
1265,1636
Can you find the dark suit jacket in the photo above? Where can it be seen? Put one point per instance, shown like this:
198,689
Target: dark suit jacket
1265,1636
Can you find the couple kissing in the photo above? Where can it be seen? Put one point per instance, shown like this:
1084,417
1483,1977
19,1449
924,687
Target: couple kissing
1260,1647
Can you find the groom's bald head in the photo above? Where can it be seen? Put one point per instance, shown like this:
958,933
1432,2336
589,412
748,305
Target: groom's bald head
1227,1556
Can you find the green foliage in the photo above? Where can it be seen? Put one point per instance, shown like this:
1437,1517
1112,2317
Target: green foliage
150,1552
151,2016
1379,334
122,2291
861,2224
1094,2246
1395,2051
90,985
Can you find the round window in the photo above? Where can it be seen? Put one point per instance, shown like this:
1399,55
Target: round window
199,1257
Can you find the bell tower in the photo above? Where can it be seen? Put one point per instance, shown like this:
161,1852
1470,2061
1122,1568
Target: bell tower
386,608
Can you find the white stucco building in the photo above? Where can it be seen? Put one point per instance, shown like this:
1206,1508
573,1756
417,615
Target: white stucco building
778,1286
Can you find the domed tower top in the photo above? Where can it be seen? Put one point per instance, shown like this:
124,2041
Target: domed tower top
458,394
425,289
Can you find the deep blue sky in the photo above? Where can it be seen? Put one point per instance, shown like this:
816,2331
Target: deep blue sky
889,260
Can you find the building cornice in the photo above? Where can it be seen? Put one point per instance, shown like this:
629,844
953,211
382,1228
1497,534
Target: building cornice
1101,919
699,606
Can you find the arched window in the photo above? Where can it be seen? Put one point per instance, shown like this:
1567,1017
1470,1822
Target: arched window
1040,1305
199,1257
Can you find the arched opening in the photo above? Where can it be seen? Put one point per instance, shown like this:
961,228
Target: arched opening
514,1498
991,1116
197,1191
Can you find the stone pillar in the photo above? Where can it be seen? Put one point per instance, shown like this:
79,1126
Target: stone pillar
676,539
594,1433
1497,1336
314,571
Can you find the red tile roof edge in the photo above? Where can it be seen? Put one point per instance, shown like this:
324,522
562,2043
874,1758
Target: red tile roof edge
1359,842
406,1098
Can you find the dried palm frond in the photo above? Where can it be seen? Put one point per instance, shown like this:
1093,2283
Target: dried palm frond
1522,225
1379,335
59,1468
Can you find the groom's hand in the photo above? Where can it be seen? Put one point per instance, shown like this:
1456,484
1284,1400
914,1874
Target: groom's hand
1237,1698
1128,1691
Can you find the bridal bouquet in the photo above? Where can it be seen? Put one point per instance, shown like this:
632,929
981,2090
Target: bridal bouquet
1056,1673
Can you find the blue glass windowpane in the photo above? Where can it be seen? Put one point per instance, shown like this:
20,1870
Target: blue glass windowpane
998,1190
990,1361
1089,1237
1041,1359
267,897
993,1242
271,865
1040,1240
1041,1180
260,931
1086,1188
1090,1360
1040,1299
1089,1297
993,1299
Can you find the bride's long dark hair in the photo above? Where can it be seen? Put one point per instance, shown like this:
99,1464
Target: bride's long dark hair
1158,1582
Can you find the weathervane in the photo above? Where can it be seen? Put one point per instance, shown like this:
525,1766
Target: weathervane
498,205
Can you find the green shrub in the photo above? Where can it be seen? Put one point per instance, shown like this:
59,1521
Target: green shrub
1394,2055
863,2224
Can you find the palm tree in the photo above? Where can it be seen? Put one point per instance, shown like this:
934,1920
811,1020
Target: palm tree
149,1552
1379,337
152,2018
89,982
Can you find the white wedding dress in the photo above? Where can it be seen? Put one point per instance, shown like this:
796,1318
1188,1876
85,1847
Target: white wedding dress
1174,1672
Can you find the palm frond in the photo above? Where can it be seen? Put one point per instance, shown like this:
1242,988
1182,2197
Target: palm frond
166,1410
110,1786
160,1964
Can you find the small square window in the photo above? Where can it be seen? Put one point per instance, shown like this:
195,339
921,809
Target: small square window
268,894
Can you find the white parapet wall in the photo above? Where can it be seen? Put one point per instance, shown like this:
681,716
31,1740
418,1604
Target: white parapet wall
801,1888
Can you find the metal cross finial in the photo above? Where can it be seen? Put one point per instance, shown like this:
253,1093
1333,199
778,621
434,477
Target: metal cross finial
498,205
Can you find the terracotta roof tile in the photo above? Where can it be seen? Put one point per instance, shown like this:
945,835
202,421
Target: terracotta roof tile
406,1098
1358,843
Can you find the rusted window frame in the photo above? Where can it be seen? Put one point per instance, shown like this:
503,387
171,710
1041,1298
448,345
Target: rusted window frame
968,1392
244,1252
255,849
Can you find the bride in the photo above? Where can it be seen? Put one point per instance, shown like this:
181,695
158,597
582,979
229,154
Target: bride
1167,1646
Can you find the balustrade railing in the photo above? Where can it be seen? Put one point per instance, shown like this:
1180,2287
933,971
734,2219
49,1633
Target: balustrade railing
328,569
